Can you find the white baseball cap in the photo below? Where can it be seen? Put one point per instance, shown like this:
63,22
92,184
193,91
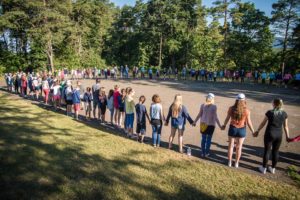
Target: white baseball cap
240,96
210,96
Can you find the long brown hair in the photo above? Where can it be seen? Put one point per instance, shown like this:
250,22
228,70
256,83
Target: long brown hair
238,109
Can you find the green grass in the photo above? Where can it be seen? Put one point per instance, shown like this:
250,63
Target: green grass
45,155
293,172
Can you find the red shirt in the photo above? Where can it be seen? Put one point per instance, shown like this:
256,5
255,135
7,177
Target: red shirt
116,98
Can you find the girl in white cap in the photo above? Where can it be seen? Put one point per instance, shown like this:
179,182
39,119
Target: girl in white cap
208,119
240,117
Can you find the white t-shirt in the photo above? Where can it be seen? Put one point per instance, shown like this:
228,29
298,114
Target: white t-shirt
68,93
45,85
56,90
35,83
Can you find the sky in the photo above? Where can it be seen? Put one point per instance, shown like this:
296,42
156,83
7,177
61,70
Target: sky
264,5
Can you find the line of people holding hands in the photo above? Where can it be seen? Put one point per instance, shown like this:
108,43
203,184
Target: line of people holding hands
238,117
121,105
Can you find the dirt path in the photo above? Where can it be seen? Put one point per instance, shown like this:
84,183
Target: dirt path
258,99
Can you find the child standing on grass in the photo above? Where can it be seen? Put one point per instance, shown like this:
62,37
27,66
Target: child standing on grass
141,114
56,94
129,110
102,104
116,96
156,114
110,105
76,101
121,100
46,89
88,98
68,97
178,115
36,87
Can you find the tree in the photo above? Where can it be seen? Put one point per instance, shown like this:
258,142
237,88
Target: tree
285,15
250,39
222,10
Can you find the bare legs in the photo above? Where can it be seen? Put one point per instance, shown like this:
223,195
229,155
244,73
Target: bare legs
238,149
180,138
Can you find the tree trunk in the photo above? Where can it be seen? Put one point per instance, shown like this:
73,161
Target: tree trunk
225,29
49,52
79,45
49,48
173,61
5,42
285,41
160,51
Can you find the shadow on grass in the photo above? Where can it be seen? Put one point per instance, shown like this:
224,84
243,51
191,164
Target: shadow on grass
31,168
216,156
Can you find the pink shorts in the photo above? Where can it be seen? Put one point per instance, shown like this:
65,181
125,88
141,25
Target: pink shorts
77,106
56,97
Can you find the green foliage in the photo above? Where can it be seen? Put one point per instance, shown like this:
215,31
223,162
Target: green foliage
88,33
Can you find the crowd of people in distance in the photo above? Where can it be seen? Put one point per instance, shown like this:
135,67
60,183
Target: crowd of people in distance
57,90
185,73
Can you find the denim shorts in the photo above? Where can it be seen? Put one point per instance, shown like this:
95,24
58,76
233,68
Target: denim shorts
237,132
179,127
129,119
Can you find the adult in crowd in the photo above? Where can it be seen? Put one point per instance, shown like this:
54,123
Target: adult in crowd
208,120
277,119
239,116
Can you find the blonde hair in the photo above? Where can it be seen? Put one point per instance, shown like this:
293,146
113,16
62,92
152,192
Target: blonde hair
102,91
209,101
177,105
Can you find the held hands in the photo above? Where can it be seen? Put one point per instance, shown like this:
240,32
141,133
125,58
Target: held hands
255,134
166,123
194,124
223,127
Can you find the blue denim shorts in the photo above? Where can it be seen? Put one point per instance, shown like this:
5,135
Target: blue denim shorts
129,119
180,127
237,132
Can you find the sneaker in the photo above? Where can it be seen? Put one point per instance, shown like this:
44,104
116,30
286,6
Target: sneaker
154,145
236,165
229,163
271,170
262,169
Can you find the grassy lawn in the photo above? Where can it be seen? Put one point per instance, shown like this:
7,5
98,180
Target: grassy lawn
45,155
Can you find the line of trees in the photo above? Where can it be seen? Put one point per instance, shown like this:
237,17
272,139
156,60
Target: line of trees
95,33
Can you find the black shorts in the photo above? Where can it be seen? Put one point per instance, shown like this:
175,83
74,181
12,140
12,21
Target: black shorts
103,110
69,102
141,128
121,109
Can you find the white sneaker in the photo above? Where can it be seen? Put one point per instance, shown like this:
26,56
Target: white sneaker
229,163
271,170
262,169
236,165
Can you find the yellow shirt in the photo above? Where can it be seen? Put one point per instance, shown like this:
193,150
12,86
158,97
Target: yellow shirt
129,105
